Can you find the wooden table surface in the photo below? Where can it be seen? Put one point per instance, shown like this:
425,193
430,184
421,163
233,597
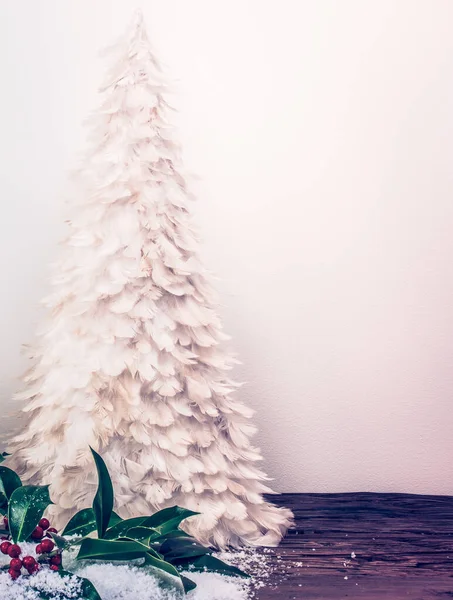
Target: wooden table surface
361,545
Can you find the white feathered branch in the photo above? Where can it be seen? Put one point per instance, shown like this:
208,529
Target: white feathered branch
129,360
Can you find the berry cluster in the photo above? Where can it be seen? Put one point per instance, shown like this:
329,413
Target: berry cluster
45,547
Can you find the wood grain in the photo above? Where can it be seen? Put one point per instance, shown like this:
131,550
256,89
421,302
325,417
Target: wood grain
363,545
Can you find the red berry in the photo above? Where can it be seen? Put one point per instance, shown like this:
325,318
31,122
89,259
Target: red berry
44,523
56,560
54,568
4,547
5,522
15,564
39,549
14,551
37,533
47,545
14,574
29,562
33,569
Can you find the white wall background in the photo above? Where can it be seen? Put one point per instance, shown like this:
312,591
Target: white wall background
323,134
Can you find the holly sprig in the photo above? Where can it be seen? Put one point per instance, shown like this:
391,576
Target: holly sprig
156,539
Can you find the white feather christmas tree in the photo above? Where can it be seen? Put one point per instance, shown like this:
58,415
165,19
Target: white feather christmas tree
130,358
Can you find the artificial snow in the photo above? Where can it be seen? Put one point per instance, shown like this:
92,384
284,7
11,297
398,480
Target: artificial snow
122,582
44,581
126,581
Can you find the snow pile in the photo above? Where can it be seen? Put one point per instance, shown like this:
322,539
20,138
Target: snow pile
252,561
126,581
122,582
212,586
45,581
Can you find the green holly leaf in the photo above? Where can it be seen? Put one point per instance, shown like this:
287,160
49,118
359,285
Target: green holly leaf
26,507
141,534
103,500
182,550
88,590
146,549
177,533
60,542
9,481
183,583
158,563
114,519
84,522
107,550
168,519
188,584
120,529
3,456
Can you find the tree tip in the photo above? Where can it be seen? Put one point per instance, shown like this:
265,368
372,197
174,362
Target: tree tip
137,27
138,16
138,22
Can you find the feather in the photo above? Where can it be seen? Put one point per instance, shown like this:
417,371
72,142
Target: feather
197,388
167,387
